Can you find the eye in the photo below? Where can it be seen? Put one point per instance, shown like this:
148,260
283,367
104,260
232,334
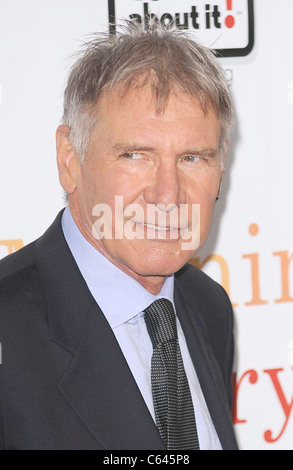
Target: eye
132,155
191,158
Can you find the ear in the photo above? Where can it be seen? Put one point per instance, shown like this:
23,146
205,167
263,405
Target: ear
67,160
223,156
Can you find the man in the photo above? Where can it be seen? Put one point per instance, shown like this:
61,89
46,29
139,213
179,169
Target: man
140,155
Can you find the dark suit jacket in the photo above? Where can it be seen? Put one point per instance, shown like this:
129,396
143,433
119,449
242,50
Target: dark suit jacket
64,382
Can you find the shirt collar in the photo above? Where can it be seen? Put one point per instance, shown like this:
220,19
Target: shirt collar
119,296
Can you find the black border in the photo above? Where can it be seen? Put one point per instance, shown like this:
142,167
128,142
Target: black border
112,16
241,52
237,52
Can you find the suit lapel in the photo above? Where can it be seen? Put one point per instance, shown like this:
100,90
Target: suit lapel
98,383
100,387
207,368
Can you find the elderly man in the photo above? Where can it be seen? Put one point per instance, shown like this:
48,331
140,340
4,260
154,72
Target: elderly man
110,339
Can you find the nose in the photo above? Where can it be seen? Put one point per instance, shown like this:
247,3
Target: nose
165,191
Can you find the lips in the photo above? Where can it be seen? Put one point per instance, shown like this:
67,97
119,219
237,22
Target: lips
151,222
155,227
154,232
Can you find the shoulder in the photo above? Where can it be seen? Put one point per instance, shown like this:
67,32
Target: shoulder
212,304
17,262
20,284
18,275
199,286
18,265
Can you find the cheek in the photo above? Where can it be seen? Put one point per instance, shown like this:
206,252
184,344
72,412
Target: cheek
116,188
204,193
96,188
204,188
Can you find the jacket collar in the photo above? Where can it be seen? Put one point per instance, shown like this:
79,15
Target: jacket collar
97,383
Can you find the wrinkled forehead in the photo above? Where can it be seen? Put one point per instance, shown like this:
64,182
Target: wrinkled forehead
155,98
133,117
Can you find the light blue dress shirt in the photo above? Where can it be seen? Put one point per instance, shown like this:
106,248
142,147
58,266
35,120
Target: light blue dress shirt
123,300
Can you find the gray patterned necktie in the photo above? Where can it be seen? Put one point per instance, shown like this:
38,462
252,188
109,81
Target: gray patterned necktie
171,394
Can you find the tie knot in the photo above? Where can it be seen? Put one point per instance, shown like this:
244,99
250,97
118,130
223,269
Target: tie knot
161,321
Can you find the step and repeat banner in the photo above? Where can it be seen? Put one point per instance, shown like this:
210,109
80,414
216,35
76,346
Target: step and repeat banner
250,248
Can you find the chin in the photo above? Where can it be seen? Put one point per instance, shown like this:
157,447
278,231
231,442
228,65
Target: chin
152,259
159,267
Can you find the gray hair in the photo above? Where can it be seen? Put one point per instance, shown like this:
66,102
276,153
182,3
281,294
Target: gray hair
163,57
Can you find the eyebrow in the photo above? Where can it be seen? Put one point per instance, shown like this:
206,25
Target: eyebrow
128,148
136,147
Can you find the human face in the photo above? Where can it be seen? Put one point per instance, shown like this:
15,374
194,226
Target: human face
167,159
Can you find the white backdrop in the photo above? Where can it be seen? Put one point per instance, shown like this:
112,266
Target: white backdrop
250,248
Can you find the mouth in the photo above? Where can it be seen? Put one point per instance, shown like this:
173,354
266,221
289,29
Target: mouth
152,231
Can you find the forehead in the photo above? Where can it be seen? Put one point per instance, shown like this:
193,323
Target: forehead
137,110
121,96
